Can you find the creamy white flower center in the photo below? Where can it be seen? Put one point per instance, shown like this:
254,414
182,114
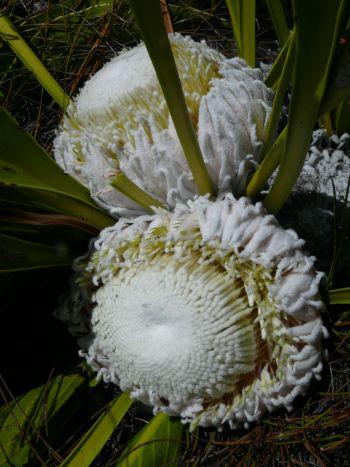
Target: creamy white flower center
177,329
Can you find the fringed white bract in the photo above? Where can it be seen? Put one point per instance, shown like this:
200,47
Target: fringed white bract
120,122
210,313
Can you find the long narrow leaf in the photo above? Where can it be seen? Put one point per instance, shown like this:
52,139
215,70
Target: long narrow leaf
242,14
22,419
132,191
316,28
268,166
150,21
20,255
234,7
94,440
158,443
26,166
278,17
9,34
339,296
274,75
278,100
342,119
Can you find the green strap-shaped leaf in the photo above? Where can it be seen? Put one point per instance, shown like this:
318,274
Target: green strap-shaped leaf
20,255
26,166
274,75
234,7
9,34
21,420
157,444
149,19
242,14
339,296
94,440
268,166
279,21
342,118
338,86
279,97
132,191
316,34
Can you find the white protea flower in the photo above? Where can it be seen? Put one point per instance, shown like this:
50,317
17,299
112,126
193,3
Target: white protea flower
210,313
120,122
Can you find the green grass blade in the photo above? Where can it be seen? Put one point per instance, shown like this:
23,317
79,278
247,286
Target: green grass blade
158,443
279,21
94,440
242,14
274,75
9,34
21,420
339,296
20,255
278,100
316,31
26,166
149,19
132,191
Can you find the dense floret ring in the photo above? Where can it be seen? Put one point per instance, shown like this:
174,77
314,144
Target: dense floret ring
210,313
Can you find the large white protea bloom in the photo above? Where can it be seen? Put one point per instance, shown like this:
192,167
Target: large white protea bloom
210,313
120,122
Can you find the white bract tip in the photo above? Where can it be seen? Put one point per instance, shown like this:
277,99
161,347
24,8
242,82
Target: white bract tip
120,122
210,313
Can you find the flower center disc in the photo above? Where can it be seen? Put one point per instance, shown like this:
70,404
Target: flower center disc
176,331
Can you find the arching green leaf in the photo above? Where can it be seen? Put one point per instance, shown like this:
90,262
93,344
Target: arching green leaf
22,419
339,296
27,167
21,255
9,34
242,14
150,21
279,20
157,444
94,440
316,33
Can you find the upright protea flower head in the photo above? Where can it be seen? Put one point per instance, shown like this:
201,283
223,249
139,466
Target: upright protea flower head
120,122
210,313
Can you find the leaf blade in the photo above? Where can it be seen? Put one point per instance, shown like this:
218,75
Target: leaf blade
94,440
316,29
242,14
279,21
153,31
31,61
25,165
21,419
339,296
158,443
20,255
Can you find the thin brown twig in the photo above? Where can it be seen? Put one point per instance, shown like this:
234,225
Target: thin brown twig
166,17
